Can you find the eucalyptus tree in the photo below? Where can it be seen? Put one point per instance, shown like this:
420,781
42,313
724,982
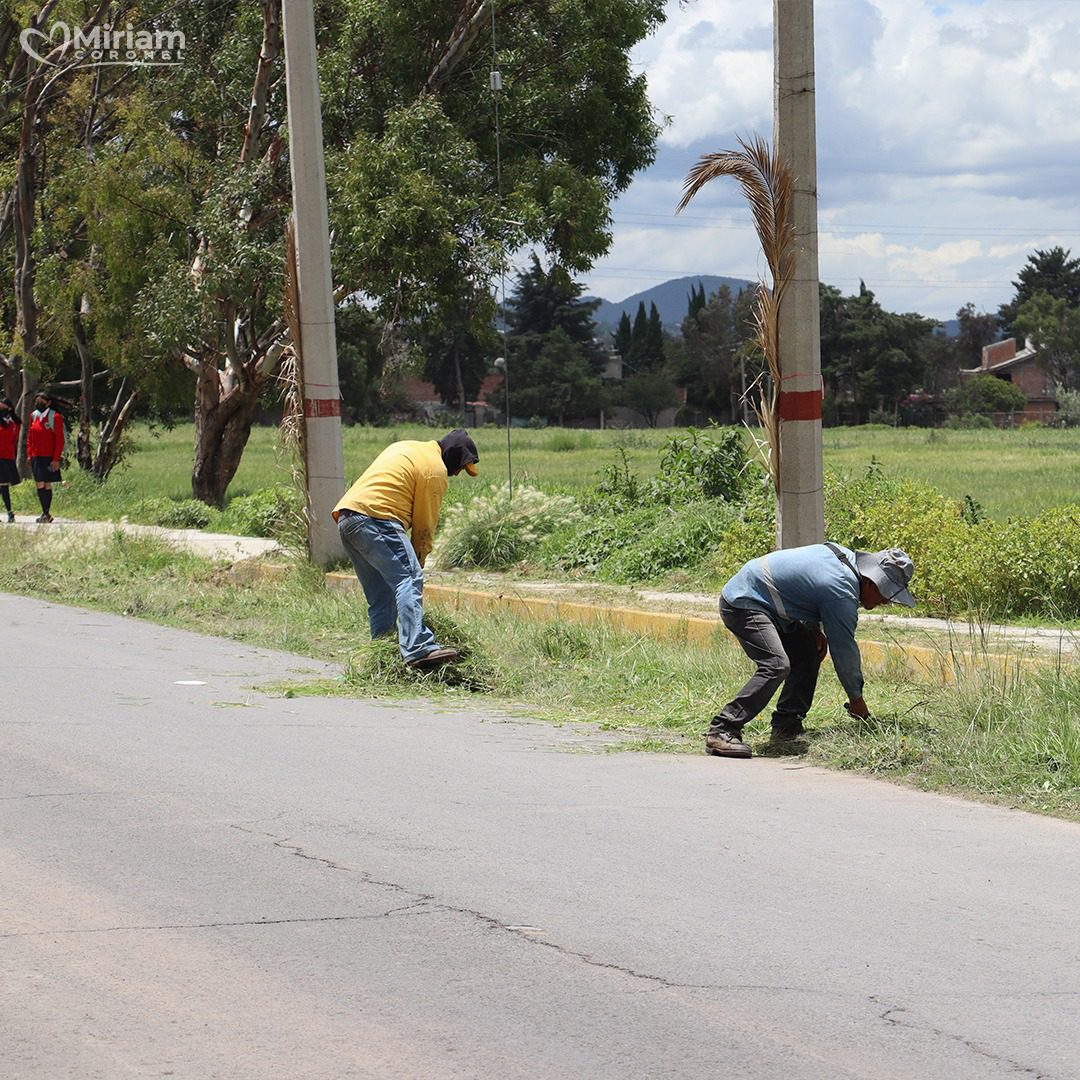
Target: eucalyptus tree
39,72
427,193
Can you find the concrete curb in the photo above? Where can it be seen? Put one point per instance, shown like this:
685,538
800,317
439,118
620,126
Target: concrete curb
919,661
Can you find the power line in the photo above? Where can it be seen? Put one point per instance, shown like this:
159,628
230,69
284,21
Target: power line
687,221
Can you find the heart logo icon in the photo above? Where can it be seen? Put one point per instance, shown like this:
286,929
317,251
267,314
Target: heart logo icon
58,35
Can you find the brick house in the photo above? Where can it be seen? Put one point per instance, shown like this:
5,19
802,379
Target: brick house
1021,367
424,399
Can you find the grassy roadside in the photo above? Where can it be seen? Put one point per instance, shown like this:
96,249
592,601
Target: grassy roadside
1015,472
1005,738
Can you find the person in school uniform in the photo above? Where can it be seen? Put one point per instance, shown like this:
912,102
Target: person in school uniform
44,446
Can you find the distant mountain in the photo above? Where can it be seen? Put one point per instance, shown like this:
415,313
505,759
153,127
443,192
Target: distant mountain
670,298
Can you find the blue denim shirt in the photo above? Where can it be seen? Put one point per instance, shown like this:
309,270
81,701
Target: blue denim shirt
808,585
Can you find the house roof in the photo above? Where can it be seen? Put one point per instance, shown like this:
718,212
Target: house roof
1016,360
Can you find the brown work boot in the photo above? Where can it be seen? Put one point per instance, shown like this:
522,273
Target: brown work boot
436,658
727,742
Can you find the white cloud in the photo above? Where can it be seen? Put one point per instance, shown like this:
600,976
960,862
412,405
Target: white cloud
948,146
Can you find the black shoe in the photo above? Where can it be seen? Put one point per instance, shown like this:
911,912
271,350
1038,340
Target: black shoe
11,519
45,519
787,732
727,742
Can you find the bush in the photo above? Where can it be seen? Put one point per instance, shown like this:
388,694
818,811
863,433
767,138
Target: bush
678,539
641,530
1068,413
963,564
496,531
985,394
699,466
563,440
587,546
173,513
266,512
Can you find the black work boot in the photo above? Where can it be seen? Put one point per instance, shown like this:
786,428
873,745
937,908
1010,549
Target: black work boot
725,740
786,730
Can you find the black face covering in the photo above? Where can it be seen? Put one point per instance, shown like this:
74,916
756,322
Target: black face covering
458,450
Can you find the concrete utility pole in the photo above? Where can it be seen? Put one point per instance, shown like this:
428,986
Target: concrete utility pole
325,466
800,517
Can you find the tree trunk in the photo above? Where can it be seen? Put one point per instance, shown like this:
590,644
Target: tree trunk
227,395
26,336
457,376
84,451
222,427
108,452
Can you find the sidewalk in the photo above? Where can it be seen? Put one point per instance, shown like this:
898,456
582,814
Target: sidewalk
209,545
935,647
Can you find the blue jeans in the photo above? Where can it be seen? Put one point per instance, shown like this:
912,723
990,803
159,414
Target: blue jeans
392,579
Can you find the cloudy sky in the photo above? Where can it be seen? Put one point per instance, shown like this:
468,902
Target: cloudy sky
948,139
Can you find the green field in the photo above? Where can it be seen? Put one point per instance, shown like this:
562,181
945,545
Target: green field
1010,473
1015,473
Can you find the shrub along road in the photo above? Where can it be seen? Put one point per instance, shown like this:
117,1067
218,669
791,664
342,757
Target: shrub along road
201,877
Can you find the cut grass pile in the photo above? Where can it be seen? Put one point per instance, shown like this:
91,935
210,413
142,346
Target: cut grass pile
1010,738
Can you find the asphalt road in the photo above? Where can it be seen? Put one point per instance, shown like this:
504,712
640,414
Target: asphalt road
200,879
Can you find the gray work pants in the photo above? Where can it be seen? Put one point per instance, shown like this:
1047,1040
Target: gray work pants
784,653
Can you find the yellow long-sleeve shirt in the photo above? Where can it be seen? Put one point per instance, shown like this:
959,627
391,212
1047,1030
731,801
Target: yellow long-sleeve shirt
405,483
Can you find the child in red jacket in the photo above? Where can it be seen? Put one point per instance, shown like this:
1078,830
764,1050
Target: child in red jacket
44,445
9,444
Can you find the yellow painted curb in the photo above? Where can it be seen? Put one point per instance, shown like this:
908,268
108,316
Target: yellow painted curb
922,662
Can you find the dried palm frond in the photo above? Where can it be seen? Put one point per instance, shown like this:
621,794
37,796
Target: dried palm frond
291,374
768,185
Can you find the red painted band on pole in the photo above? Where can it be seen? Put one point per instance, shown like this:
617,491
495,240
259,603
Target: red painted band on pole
800,404
324,406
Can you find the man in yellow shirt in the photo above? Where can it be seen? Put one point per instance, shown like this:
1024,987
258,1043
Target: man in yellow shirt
401,490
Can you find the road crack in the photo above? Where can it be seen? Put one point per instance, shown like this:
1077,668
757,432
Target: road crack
892,1015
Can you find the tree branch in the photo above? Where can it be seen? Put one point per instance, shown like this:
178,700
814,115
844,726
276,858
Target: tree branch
465,33
271,46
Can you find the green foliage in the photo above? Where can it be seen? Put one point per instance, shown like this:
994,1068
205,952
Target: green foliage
163,195
562,642
716,352
564,440
1068,413
173,513
964,563
644,530
983,395
588,546
1052,273
1053,325
497,531
267,512
692,466
871,358
647,393
554,363
699,465
668,538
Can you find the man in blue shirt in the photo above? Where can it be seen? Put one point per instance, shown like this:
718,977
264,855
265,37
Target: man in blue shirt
787,609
